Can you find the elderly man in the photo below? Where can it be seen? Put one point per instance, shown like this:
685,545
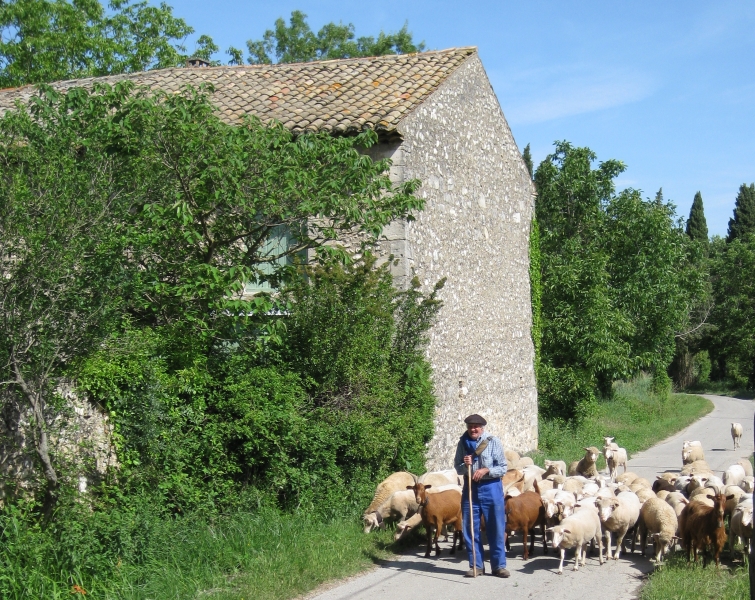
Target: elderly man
484,452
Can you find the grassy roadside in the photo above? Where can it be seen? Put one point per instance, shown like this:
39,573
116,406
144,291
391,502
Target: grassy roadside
634,417
678,580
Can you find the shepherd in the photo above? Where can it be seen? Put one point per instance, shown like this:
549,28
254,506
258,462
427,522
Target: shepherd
482,452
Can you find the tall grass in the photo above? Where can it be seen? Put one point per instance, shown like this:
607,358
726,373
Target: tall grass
635,417
261,555
681,581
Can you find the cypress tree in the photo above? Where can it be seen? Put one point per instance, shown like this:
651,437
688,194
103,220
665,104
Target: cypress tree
659,197
697,226
527,157
744,213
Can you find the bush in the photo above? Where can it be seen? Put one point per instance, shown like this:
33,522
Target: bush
565,393
310,423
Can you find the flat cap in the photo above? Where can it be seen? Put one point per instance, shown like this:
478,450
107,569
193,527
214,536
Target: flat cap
475,419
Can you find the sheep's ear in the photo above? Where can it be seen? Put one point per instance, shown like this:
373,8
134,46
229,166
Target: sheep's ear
409,487
567,531
684,501
427,487
587,449
730,496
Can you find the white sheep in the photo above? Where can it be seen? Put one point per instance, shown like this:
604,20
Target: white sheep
733,495
734,475
574,485
698,466
748,484
746,465
576,531
736,434
627,477
531,473
524,461
692,454
396,508
659,519
741,526
615,457
662,494
644,494
618,515
677,501
554,467
512,457
558,504
393,483
439,478
687,444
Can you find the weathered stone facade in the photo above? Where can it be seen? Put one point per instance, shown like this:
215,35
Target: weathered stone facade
440,122
475,232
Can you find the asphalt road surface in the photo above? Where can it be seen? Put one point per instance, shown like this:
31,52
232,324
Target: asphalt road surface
411,575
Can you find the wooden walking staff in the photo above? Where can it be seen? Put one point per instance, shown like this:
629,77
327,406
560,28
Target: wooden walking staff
471,521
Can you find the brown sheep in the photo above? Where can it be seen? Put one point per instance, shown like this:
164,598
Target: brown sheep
702,525
525,512
443,508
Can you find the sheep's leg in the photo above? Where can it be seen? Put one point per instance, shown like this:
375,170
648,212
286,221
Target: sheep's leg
429,528
438,528
561,564
643,539
545,542
619,543
600,547
525,531
577,554
453,545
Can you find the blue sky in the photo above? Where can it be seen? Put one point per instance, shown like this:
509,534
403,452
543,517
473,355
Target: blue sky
668,88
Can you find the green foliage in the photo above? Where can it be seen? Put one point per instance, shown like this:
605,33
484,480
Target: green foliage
343,399
690,581
743,221
702,367
135,553
618,276
527,158
697,226
297,42
634,415
50,40
536,292
732,345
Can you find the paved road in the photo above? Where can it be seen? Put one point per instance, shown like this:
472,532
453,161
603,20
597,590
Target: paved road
411,575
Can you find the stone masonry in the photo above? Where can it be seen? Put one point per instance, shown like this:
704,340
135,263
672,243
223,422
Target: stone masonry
439,121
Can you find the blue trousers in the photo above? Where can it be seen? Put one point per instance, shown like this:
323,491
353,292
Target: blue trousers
487,499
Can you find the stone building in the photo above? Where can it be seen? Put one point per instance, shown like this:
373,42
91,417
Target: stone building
439,121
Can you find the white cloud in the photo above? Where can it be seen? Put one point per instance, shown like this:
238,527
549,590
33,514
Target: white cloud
572,94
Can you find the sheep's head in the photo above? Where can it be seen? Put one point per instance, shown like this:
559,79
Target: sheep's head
748,484
373,520
556,535
747,516
564,510
607,441
592,453
606,506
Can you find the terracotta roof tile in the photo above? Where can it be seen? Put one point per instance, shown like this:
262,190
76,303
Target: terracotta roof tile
345,96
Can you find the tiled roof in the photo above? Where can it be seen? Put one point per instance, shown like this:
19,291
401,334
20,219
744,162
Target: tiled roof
341,96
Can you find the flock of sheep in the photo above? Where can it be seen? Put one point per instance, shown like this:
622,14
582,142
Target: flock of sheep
580,506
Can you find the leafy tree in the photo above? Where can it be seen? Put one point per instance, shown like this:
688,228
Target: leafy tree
61,247
743,220
619,280
50,40
527,158
697,226
120,202
733,342
296,42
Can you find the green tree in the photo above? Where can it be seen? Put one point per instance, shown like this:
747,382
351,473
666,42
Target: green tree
296,42
743,220
120,202
51,40
697,226
733,342
619,280
527,158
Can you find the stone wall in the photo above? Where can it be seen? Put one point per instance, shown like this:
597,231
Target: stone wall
475,232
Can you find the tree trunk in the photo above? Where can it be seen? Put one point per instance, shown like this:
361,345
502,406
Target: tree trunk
41,440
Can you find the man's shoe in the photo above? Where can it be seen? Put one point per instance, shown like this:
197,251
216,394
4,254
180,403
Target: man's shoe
502,573
470,573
